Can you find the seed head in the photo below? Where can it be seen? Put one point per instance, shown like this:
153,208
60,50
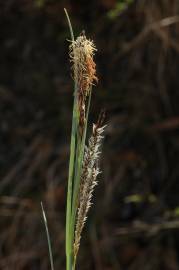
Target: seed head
84,68
90,171
84,72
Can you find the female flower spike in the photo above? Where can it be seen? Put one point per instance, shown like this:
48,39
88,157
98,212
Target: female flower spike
90,171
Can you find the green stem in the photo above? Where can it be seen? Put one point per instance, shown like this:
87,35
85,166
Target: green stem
69,24
48,237
69,247
78,168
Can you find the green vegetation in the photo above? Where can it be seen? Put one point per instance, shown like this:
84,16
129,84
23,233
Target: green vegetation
120,6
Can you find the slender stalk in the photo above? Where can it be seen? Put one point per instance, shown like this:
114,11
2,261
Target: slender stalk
78,168
69,24
48,237
69,246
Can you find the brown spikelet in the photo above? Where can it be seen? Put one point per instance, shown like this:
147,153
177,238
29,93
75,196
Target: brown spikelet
90,170
84,72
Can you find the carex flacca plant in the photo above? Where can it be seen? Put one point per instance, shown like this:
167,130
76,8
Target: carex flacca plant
84,156
84,152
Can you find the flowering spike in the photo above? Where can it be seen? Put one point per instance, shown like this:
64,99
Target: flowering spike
89,174
84,72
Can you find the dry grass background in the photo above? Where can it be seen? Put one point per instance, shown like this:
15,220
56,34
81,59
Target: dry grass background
133,224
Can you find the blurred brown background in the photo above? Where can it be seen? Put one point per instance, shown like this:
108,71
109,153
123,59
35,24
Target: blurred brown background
134,222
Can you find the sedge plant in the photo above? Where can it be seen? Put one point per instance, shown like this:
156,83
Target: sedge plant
84,157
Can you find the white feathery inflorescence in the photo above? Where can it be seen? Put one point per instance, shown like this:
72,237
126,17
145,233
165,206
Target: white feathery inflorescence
90,171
